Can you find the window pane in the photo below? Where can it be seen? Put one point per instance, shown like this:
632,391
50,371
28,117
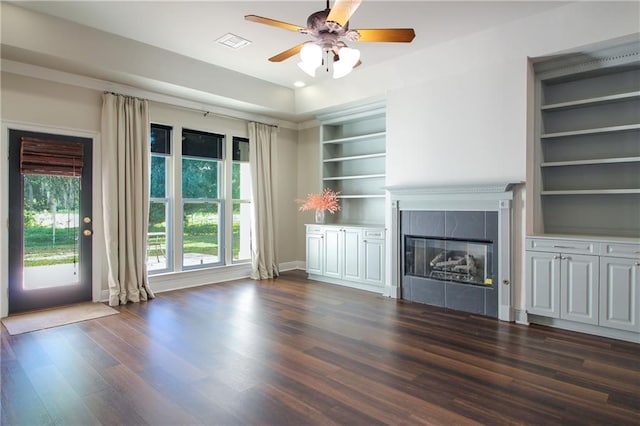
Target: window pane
202,144
240,149
200,234
241,184
241,231
157,237
199,178
158,176
51,231
160,139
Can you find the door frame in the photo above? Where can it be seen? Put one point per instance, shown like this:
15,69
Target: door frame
96,205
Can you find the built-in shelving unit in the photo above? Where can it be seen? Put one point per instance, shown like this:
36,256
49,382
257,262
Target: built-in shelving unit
353,144
582,255
586,178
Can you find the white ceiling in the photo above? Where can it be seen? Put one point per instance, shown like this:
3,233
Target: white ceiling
190,28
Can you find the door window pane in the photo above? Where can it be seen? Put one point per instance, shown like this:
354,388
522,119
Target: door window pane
51,231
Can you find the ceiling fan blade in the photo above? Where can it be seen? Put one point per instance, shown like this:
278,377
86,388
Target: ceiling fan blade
273,22
392,35
342,11
287,53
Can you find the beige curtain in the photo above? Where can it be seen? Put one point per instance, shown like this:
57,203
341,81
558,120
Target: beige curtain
125,196
263,242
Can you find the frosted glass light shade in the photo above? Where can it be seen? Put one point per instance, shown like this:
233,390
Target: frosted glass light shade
348,58
311,58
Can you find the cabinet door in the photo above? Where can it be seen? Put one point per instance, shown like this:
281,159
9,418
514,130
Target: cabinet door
620,293
352,254
314,253
543,284
333,252
373,260
579,288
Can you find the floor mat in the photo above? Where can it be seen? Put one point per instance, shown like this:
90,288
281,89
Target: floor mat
32,321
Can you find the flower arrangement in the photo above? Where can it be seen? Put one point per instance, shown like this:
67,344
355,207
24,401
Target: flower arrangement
327,200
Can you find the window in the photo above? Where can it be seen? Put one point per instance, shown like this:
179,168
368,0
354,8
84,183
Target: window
158,243
241,196
200,200
202,206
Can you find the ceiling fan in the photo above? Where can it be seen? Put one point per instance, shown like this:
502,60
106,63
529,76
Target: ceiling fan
330,29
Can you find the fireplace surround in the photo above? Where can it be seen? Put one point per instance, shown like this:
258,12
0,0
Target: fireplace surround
451,247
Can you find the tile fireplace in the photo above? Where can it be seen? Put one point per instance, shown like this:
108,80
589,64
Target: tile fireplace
451,247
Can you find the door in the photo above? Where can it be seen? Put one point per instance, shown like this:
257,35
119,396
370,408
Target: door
352,254
579,288
543,284
314,253
373,269
333,246
620,293
50,223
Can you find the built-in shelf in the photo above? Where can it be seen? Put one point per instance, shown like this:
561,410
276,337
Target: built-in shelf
591,162
353,152
354,157
592,192
361,196
620,97
356,138
585,178
591,131
354,177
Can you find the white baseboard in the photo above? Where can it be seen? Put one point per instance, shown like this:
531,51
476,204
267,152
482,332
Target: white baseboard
186,279
291,266
521,316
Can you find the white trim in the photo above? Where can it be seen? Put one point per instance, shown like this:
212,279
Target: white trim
293,265
596,330
521,317
98,235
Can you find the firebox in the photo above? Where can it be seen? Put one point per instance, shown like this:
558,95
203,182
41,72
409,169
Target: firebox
449,259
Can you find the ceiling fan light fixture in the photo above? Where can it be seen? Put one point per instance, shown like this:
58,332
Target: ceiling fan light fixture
347,59
310,58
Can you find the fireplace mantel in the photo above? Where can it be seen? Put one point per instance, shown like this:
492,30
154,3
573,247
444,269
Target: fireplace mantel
495,197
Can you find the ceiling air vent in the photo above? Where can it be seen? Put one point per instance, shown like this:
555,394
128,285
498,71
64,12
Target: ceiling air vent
233,41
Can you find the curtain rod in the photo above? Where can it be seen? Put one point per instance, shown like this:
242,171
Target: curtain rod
207,113
123,95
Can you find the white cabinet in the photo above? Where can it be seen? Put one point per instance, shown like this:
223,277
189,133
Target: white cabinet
373,257
315,250
562,285
595,282
620,293
346,255
342,252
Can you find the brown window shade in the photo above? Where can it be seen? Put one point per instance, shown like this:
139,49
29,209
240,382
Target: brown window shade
43,157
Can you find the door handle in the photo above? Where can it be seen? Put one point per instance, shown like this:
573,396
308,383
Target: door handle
87,232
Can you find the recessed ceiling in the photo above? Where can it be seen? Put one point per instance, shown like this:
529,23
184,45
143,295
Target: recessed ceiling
192,28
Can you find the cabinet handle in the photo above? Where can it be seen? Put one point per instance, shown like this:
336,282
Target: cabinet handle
556,257
564,247
565,257
637,263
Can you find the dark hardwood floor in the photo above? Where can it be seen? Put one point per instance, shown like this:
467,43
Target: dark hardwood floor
295,352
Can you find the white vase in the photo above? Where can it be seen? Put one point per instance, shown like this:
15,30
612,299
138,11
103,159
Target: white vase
319,216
